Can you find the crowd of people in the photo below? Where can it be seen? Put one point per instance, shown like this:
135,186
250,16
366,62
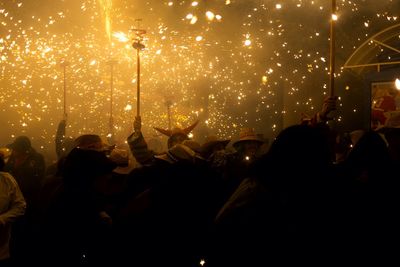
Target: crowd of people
312,195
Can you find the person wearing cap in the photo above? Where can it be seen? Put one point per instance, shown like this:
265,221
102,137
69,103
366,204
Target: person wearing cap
12,206
139,146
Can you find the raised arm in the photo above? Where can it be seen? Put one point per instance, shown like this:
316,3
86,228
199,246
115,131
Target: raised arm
138,145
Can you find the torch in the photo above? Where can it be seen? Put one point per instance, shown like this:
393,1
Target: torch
138,45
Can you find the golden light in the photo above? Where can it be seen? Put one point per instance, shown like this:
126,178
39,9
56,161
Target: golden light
128,107
121,37
193,20
264,79
334,17
202,262
210,15
397,84
178,57
107,9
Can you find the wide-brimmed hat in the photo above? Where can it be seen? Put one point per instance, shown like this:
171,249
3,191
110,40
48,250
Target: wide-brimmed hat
21,143
93,142
125,164
211,141
87,162
248,134
176,130
178,153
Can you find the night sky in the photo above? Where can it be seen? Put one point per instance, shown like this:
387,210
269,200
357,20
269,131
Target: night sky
230,64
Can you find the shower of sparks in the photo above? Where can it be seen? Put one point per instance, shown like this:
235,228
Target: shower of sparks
226,63
107,11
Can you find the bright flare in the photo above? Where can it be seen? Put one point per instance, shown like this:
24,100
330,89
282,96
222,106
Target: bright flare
397,83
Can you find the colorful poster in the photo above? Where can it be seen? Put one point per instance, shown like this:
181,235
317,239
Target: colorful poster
385,104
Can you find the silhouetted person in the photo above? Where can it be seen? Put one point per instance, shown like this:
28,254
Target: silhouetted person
27,166
12,206
282,212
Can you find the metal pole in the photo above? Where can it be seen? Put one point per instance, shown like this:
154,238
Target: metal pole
64,65
111,98
332,51
111,62
138,82
65,89
137,44
168,103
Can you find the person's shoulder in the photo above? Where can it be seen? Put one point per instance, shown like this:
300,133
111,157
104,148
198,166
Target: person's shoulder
8,178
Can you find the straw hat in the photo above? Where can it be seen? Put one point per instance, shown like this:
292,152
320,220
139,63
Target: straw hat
248,134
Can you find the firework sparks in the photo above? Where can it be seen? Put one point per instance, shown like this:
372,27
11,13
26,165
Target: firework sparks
225,62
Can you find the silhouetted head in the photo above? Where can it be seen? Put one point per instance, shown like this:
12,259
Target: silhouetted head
21,145
299,156
82,166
